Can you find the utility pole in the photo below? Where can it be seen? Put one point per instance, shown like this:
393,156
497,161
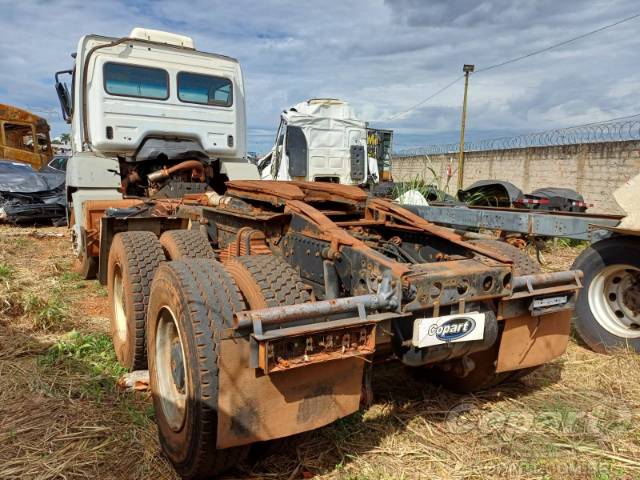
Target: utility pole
467,69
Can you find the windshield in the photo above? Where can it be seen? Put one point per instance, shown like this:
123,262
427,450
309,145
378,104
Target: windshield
205,89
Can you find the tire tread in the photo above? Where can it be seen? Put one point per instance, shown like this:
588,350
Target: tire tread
182,244
142,254
279,282
211,297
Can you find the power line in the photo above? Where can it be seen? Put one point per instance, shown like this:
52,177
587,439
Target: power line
422,102
560,44
513,60
615,119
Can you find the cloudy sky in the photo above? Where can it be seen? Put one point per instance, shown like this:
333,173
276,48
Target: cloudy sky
383,56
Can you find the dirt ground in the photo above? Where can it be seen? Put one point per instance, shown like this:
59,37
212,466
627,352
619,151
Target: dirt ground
61,415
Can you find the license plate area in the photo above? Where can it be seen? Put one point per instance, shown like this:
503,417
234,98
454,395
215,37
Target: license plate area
464,327
546,302
286,353
554,303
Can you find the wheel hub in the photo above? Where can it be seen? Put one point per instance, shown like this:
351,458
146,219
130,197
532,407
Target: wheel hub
177,365
614,300
170,370
631,296
119,307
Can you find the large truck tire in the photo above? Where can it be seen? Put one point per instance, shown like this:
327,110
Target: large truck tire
608,307
183,244
191,302
484,375
267,281
133,260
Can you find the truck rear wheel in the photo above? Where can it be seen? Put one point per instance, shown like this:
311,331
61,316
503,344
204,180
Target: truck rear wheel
182,244
133,260
484,375
267,281
191,302
608,306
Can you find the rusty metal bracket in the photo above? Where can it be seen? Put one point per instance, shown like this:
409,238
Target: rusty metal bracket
261,340
547,285
301,345
543,283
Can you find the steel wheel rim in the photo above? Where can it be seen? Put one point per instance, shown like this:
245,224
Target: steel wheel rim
119,312
611,296
169,350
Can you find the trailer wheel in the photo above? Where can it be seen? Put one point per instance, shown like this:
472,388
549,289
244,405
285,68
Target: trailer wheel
182,244
608,306
267,281
133,259
191,302
86,266
483,375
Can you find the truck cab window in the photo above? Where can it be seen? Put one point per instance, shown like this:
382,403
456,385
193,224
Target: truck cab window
205,89
18,136
136,81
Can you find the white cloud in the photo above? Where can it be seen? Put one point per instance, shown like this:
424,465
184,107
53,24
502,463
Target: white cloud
382,56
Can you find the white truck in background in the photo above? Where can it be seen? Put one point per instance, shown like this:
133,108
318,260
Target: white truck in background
150,116
320,140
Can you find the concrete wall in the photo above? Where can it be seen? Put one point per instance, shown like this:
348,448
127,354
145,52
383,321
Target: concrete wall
595,170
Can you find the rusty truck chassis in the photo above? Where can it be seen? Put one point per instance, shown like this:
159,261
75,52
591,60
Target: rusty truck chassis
374,267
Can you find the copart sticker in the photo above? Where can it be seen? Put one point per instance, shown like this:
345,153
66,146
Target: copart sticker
449,328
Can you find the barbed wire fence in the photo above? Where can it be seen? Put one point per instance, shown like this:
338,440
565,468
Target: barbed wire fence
616,130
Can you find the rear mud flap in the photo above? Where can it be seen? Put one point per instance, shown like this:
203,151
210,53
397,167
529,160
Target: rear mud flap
254,407
529,341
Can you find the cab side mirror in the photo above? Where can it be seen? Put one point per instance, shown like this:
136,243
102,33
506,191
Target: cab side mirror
64,96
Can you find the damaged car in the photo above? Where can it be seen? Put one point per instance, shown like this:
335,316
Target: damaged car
28,196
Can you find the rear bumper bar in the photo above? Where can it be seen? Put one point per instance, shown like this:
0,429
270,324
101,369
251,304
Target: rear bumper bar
546,292
280,342
532,284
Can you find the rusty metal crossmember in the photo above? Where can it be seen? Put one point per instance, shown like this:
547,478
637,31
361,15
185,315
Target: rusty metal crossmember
290,313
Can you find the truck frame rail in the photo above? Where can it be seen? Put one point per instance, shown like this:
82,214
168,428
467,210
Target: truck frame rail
578,226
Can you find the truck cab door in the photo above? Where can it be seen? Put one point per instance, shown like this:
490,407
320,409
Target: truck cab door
296,152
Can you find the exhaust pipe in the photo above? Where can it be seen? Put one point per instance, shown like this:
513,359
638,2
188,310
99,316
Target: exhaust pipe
196,167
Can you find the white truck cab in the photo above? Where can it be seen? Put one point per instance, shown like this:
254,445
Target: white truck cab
150,116
320,140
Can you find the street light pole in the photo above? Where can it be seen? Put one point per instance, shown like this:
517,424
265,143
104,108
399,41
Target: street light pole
466,69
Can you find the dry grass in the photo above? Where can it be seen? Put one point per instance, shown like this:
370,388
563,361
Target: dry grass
62,417
60,413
